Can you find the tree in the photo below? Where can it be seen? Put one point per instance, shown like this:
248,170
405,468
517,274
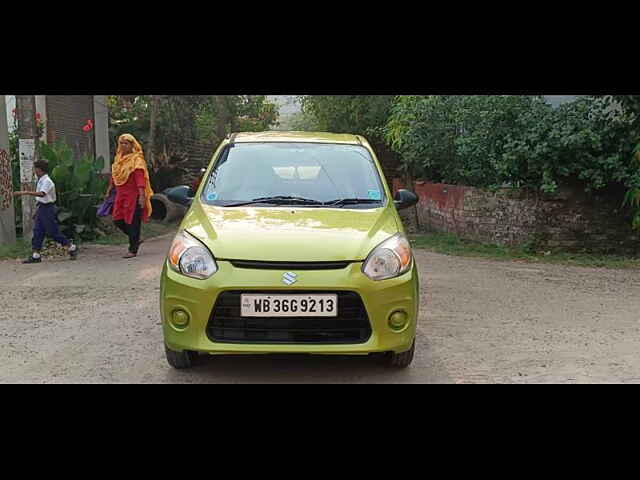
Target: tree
630,105
364,115
488,141
358,114
169,127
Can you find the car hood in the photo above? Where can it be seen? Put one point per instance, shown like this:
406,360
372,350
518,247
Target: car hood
291,234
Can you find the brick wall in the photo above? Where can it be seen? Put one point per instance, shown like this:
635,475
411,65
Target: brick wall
66,115
569,220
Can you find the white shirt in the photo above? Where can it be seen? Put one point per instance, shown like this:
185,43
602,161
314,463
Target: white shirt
46,185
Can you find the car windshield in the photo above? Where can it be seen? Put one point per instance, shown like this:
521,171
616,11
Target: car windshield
321,175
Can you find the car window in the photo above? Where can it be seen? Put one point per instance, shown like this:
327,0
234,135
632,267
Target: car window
319,172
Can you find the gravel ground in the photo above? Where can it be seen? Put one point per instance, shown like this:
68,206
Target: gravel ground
97,321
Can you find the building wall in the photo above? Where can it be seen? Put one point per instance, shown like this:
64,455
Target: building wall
66,115
569,220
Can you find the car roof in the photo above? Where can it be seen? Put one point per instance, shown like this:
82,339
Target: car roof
302,137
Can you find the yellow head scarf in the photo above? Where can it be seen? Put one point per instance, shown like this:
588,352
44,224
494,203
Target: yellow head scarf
125,165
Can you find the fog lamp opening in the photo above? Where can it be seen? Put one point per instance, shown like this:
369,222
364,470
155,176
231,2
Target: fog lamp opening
398,320
180,318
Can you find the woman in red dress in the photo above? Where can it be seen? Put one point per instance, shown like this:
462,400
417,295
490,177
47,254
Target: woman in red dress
130,177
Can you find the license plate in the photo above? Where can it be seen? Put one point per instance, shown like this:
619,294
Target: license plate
289,305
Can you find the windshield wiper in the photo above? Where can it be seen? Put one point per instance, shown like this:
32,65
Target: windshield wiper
351,201
278,200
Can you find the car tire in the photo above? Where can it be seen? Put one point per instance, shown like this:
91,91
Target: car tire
401,360
180,360
164,210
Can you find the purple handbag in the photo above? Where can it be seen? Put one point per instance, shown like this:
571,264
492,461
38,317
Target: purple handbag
105,209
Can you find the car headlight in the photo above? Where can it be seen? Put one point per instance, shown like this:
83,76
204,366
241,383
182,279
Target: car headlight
191,257
390,259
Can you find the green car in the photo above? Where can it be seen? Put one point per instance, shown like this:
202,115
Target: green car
292,244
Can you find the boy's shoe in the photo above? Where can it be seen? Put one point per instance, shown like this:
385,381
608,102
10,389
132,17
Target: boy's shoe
73,254
32,260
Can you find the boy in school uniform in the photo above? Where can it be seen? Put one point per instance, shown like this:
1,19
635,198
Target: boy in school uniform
46,222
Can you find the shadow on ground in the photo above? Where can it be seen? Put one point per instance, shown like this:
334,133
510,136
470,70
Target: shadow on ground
304,368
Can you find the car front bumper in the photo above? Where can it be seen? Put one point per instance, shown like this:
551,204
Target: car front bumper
198,297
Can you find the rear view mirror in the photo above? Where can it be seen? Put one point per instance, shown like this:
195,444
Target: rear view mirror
182,195
404,199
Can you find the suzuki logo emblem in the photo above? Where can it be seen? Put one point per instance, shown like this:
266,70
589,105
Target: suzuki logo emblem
289,278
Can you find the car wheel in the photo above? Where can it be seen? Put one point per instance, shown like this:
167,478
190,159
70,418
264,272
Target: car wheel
180,360
401,360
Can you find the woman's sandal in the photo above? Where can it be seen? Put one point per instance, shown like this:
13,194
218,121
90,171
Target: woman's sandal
130,255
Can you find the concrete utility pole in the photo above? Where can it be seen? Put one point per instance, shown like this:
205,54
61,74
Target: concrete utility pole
27,143
7,212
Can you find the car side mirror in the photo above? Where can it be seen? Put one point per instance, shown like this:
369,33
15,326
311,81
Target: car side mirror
182,195
404,199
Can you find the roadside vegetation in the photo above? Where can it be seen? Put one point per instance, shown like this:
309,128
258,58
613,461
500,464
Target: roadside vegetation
22,248
494,141
172,129
483,141
450,244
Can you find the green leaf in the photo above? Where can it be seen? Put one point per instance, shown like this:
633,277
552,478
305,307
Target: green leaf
60,175
48,154
66,157
99,164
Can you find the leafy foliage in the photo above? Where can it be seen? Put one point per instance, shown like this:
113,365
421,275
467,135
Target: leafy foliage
632,197
364,115
185,122
185,118
630,106
358,114
79,188
496,140
299,121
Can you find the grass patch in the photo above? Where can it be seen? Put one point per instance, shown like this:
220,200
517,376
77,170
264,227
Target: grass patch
20,249
450,244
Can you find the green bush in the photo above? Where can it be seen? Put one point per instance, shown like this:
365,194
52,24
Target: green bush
357,114
79,188
489,141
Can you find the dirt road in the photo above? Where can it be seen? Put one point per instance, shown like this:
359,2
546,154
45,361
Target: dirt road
97,321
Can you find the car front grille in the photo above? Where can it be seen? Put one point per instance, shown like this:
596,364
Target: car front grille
259,265
351,326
